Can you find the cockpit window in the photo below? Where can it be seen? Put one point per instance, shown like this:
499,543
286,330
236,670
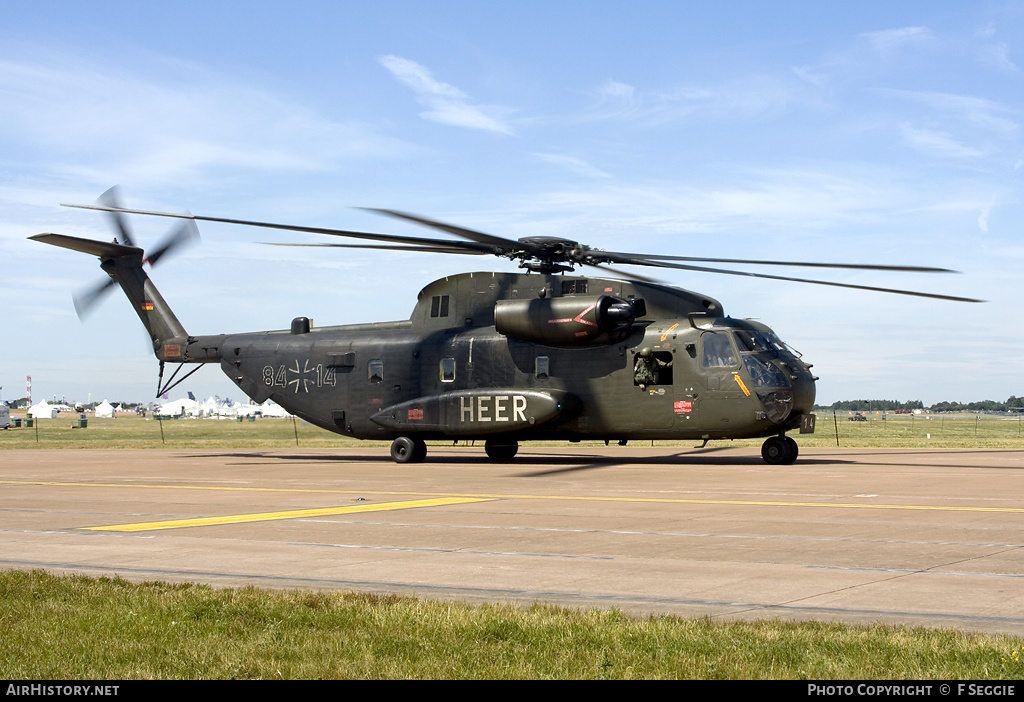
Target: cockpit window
764,374
751,341
717,351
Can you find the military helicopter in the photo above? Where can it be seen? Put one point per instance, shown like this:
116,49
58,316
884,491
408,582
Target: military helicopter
502,357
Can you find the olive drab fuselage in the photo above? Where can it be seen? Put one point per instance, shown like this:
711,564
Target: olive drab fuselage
502,356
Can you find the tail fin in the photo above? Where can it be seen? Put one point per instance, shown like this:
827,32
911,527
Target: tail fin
124,265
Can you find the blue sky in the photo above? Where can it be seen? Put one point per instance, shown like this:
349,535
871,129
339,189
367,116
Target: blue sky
875,132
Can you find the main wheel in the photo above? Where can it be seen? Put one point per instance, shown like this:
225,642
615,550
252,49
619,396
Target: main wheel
779,450
501,450
407,449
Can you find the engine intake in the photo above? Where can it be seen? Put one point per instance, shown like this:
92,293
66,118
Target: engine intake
567,321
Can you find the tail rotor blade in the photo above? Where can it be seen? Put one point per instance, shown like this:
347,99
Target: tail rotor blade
187,233
86,300
112,199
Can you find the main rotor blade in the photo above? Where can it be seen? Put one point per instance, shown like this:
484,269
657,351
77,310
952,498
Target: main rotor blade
480,237
384,247
620,257
704,269
625,274
486,243
392,238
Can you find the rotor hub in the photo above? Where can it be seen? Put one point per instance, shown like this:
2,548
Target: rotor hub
550,254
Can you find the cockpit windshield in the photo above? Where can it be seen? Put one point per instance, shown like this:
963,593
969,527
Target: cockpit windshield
752,341
759,354
765,374
757,349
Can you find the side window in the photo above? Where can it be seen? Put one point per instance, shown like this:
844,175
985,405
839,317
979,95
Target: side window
375,371
439,305
717,351
543,367
447,370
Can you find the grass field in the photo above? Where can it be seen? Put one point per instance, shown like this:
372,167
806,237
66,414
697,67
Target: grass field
82,628
111,629
896,431
146,432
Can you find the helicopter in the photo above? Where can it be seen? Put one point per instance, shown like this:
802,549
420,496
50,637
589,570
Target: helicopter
502,358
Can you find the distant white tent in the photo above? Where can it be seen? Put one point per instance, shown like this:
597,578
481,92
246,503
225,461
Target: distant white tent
104,409
43,410
214,407
178,408
271,409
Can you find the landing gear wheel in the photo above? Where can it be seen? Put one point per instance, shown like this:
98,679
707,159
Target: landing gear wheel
501,451
779,450
406,449
794,450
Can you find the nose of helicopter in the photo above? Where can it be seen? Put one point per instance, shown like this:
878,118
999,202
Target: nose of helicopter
789,394
800,394
804,390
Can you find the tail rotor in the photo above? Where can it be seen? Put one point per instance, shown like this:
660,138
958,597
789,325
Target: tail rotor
86,299
112,198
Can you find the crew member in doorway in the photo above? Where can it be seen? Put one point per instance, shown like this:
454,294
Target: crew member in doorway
647,369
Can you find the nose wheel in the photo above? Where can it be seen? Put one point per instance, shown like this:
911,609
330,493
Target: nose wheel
779,450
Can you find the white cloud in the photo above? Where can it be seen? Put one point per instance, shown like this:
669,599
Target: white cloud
981,113
998,56
889,40
752,96
91,121
573,164
612,88
983,219
984,215
936,142
447,104
783,200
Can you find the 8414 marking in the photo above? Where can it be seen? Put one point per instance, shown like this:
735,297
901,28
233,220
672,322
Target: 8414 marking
298,378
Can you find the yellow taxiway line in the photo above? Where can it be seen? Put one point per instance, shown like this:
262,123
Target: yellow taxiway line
293,514
470,497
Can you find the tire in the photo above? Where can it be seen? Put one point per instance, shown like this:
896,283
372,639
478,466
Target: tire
405,449
779,450
501,451
794,450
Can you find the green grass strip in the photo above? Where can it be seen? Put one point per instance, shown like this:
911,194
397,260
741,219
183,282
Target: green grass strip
74,627
957,431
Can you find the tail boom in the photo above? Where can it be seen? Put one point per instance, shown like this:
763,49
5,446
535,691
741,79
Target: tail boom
124,264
